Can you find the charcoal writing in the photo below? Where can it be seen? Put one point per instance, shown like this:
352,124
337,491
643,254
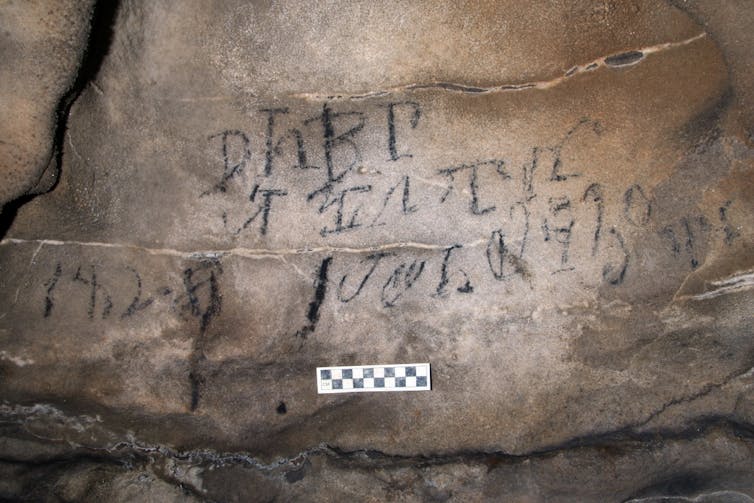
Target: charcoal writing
537,209
96,290
445,275
392,109
400,280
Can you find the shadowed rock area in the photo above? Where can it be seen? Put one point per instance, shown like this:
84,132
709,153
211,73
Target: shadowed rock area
551,203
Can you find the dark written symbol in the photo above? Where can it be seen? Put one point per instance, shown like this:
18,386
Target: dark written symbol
593,193
473,169
236,153
615,274
637,207
392,109
332,192
263,208
585,124
342,223
199,294
540,155
406,206
558,226
98,297
730,232
445,275
320,291
402,279
137,304
336,195
200,297
684,237
339,131
503,264
372,259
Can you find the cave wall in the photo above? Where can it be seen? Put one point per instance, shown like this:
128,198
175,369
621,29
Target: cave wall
551,203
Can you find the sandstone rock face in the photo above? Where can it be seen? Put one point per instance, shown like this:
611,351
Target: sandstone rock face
549,203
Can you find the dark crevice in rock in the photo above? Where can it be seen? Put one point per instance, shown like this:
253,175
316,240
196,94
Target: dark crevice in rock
706,390
129,454
98,46
449,86
9,211
625,438
42,478
100,39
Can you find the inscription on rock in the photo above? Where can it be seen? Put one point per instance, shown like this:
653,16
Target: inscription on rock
347,170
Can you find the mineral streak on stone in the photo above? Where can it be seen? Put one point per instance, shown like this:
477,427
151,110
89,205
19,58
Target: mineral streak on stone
551,204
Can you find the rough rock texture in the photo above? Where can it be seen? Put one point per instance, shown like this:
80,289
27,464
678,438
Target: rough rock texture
41,45
550,203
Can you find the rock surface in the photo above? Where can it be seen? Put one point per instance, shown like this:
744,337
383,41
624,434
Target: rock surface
551,205
42,43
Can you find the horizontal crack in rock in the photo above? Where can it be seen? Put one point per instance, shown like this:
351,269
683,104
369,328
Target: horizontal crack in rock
624,58
241,252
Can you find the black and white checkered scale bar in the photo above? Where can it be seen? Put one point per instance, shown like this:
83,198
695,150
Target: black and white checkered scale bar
361,378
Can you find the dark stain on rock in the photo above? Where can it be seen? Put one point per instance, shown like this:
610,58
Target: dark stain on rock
687,484
437,494
704,129
605,344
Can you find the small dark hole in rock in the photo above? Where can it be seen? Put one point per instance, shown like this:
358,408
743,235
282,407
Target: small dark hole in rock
282,409
624,58
294,476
